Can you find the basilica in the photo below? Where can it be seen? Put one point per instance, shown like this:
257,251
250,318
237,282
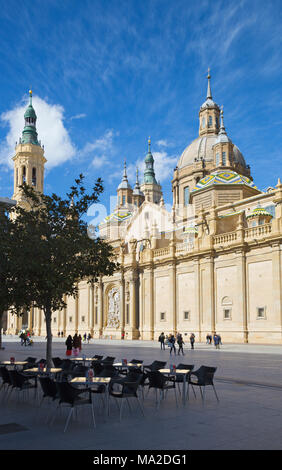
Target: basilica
212,263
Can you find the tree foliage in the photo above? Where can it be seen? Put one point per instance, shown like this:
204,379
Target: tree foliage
53,249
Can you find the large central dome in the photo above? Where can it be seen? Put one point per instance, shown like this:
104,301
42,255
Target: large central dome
201,148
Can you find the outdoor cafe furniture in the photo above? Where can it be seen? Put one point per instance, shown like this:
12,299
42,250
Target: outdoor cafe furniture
179,378
71,397
178,375
160,382
96,385
156,365
21,382
203,377
128,390
15,364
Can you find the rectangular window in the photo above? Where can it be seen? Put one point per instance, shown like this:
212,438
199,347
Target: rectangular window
83,319
186,315
224,158
217,159
260,312
123,200
210,121
127,314
227,314
55,320
186,196
162,316
70,319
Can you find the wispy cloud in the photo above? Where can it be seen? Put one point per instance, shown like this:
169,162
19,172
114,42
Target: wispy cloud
78,116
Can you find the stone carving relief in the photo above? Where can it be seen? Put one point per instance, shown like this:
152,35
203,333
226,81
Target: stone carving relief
113,308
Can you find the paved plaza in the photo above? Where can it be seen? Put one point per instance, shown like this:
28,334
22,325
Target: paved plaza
248,381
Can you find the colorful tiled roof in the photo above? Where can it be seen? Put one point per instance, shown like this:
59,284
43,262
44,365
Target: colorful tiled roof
119,215
223,177
259,211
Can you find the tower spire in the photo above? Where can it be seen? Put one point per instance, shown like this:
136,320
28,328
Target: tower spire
209,95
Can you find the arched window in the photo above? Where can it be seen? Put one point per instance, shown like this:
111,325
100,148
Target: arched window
186,196
23,174
203,123
224,158
33,177
217,159
210,121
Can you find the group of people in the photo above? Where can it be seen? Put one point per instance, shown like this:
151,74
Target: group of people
73,343
25,338
170,341
216,338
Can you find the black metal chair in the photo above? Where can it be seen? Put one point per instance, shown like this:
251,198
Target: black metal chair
160,382
107,360
21,382
78,371
31,362
70,396
128,390
136,361
42,361
97,367
156,365
204,377
108,371
97,357
57,361
6,381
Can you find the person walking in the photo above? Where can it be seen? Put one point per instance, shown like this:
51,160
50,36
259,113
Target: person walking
192,340
216,341
75,343
180,344
162,340
172,344
79,342
69,344
89,337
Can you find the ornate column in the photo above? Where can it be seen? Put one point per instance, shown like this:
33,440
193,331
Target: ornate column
100,307
122,305
91,308
276,286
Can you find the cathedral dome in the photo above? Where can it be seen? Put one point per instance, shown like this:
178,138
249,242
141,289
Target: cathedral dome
201,148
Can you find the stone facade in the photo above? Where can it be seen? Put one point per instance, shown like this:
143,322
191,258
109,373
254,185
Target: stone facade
212,264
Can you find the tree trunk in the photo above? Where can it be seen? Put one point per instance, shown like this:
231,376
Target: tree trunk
48,317
1,319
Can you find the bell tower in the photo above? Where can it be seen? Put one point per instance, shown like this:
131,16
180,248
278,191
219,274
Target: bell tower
29,158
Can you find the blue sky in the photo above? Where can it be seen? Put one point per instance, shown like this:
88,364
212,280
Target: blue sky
106,74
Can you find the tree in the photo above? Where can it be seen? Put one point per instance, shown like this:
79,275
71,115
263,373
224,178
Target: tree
54,251
12,286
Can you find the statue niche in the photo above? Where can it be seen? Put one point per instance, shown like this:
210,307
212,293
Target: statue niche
113,309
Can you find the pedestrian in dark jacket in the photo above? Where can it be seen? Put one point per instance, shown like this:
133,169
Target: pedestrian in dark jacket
69,345
192,340
162,340
180,344
172,344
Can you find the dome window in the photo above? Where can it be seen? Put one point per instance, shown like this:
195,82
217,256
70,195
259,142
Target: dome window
203,123
210,121
224,158
217,159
